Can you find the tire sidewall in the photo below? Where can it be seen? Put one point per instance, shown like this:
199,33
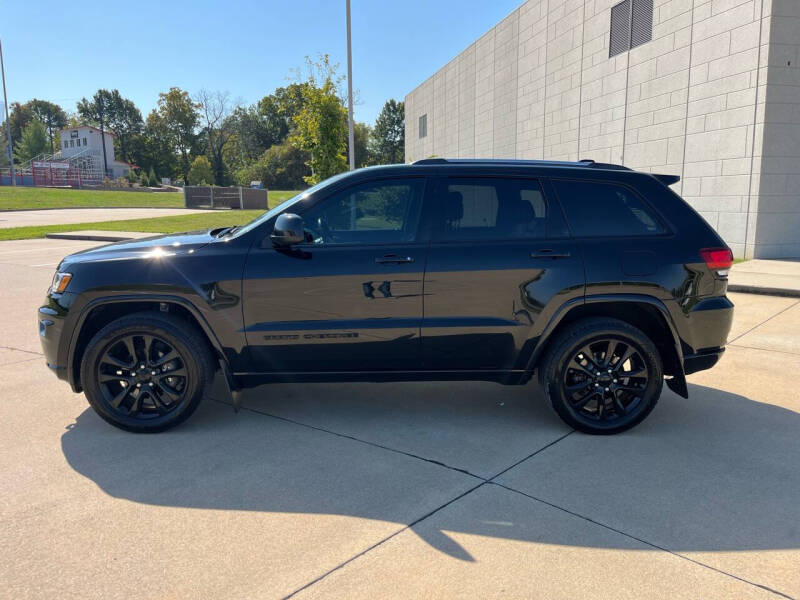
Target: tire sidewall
571,346
110,335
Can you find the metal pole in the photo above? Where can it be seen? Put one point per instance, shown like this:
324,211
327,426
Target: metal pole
350,134
8,125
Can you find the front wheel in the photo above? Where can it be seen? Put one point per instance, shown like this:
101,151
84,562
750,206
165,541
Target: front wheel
602,376
146,372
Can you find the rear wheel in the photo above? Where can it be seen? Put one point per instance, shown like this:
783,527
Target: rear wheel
602,375
146,372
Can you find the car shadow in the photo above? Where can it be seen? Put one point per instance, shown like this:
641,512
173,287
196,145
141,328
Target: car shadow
719,464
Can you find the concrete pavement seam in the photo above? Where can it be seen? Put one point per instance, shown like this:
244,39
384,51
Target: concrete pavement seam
355,439
21,350
420,519
633,537
780,312
764,349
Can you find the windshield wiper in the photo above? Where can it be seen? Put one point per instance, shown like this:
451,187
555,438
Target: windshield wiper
226,230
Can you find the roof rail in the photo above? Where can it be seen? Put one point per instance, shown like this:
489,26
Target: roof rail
583,163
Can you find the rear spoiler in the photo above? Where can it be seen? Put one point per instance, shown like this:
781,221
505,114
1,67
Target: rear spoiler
667,179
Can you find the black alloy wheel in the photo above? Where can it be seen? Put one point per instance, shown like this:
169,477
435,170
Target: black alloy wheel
147,372
605,379
602,375
142,376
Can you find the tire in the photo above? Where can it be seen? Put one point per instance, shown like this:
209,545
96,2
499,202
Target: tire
178,371
596,393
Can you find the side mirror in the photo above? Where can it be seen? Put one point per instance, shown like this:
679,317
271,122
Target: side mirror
288,230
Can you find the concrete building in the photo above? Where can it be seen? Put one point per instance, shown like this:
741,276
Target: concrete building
705,89
87,142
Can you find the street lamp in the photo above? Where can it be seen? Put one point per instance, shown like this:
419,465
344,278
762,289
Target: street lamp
8,125
350,134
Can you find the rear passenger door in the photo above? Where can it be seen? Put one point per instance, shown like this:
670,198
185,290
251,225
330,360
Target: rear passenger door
500,261
627,245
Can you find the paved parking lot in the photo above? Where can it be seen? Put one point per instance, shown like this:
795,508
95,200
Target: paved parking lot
412,490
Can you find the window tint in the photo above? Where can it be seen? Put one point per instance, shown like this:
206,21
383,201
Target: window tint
603,210
370,213
491,209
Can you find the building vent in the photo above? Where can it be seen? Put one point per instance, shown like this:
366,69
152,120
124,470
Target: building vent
642,25
631,25
620,28
423,126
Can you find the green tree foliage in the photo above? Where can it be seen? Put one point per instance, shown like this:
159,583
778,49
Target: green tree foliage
19,117
281,167
33,141
3,148
153,178
179,119
361,137
52,117
387,141
200,172
321,126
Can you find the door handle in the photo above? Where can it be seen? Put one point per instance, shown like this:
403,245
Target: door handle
393,258
549,253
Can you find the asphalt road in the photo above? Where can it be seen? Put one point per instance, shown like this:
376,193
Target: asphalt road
390,490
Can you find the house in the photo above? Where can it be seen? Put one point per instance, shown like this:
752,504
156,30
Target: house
86,142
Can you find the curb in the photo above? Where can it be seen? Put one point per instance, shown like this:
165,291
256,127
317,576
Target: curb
766,291
92,237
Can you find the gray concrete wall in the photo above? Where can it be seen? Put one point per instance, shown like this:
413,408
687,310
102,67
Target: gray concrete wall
711,98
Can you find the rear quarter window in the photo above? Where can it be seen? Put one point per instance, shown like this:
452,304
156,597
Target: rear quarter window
598,209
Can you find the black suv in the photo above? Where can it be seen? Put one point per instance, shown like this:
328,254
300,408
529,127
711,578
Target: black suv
599,279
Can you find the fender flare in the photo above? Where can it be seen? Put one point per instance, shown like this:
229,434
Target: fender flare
117,299
677,383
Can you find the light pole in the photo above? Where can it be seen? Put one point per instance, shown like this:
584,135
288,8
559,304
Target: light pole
350,134
8,125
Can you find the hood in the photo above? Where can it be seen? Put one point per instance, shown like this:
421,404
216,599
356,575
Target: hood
174,244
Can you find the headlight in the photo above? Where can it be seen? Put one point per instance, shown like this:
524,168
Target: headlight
60,282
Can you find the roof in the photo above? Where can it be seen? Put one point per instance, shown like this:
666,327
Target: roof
92,127
585,163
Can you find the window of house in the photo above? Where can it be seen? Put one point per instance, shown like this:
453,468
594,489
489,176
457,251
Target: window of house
605,210
72,143
491,209
423,126
631,25
84,141
65,143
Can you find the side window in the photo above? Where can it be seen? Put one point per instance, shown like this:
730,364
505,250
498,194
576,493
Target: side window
491,209
370,213
605,210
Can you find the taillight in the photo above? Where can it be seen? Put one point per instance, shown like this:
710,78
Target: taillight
718,259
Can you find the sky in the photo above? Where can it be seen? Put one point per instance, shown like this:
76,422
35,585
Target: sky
62,51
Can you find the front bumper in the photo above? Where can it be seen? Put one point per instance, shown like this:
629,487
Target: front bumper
51,320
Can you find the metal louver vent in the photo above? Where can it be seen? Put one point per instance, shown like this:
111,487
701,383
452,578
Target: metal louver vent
620,28
642,22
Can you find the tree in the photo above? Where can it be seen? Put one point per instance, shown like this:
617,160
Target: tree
94,111
215,108
153,147
33,141
179,119
321,126
51,115
3,148
19,118
387,142
361,136
200,172
152,179
281,167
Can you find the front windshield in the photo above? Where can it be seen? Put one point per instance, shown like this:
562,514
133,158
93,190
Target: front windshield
283,206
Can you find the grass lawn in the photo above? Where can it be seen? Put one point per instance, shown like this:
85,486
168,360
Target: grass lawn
20,198
174,224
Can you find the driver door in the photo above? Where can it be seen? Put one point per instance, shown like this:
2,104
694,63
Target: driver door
350,299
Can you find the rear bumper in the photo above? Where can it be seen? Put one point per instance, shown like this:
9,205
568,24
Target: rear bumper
692,363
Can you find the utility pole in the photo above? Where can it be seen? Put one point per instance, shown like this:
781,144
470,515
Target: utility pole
350,134
8,125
